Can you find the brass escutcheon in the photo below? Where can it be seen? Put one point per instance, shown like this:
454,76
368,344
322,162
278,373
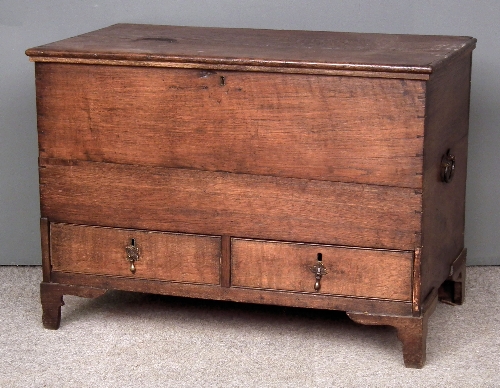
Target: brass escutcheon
132,251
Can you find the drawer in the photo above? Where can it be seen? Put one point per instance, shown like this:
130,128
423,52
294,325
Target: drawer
162,256
348,129
354,272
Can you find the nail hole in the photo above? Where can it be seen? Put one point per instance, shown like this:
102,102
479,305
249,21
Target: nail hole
320,257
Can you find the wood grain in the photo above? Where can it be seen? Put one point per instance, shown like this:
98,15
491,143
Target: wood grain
236,294
412,331
443,218
164,256
298,126
352,272
225,262
238,205
233,157
51,297
252,47
236,67
45,240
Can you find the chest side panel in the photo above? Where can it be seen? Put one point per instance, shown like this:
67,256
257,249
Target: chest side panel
350,129
447,126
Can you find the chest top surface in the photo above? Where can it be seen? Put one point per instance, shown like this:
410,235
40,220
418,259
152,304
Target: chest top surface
259,49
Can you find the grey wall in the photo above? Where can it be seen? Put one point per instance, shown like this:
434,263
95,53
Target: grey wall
27,23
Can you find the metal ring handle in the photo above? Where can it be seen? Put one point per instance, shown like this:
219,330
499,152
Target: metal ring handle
447,167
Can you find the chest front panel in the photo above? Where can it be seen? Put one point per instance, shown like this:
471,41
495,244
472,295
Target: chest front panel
349,129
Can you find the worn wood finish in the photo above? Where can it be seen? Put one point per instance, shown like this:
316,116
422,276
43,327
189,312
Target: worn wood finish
225,262
164,256
237,294
416,297
412,331
45,240
233,157
236,67
240,205
397,54
51,295
443,218
171,118
356,272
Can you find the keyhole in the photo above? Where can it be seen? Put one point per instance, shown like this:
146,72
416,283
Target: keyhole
222,80
320,257
132,242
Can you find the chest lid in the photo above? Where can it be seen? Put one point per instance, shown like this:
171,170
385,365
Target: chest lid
404,56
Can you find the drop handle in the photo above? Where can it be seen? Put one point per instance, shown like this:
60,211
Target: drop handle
132,252
319,271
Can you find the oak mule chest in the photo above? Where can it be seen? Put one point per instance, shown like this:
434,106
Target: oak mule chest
308,169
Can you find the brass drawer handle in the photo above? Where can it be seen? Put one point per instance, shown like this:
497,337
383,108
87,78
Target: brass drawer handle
447,167
319,271
132,251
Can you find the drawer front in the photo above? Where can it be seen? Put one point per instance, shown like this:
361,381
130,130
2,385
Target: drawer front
349,129
162,256
350,271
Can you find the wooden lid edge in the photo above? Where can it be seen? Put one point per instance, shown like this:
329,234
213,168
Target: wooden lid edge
222,67
76,57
